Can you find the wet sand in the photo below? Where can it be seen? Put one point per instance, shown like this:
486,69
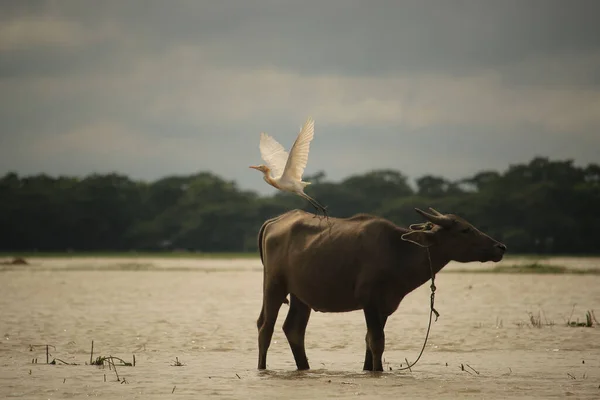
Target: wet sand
204,312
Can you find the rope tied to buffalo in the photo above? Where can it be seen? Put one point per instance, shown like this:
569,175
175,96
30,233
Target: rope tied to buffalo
432,311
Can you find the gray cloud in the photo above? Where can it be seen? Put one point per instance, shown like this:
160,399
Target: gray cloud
343,36
150,88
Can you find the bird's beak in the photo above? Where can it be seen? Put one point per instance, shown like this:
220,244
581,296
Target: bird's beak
253,167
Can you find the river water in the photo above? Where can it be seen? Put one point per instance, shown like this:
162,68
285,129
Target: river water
203,313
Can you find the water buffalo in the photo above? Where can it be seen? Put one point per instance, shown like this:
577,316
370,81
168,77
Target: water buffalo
359,263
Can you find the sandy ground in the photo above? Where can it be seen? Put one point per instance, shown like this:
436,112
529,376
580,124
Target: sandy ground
204,313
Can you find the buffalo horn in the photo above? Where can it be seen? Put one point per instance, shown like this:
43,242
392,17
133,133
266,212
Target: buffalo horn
439,214
440,220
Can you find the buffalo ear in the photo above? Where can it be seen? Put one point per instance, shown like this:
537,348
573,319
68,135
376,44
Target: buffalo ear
420,238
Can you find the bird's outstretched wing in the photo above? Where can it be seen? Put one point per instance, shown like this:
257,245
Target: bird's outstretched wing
296,162
273,154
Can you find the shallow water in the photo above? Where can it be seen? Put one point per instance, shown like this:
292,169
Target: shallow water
204,313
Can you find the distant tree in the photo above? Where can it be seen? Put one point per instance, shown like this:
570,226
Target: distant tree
432,186
376,186
543,206
482,179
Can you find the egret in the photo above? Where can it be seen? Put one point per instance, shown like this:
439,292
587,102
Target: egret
283,171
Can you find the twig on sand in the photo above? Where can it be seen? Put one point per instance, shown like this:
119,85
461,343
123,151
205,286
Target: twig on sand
571,376
100,360
48,354
472,369
64,362
407,363
572,310
112,360
238,376
115,367
462,368
47,346
173,391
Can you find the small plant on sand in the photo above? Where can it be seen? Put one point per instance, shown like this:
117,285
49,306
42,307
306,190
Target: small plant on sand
536,320
499,323
177,363
55,360
102,360
590,320
110,360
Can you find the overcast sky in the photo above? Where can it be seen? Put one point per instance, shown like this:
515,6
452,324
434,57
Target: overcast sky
154,88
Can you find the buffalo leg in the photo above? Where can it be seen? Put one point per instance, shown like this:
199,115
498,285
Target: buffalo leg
375,340
295,329
368,364
272,301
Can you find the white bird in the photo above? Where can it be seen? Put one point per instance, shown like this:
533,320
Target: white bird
284,171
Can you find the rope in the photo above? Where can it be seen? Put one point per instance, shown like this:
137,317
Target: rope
431,312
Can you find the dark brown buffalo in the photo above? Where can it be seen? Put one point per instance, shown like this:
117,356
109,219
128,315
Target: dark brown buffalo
359,263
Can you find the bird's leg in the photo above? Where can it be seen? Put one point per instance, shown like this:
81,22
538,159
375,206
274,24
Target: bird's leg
322,208
315,206
324,211
326,216
318,206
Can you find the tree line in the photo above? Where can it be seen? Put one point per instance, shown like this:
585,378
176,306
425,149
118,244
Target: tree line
544,206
